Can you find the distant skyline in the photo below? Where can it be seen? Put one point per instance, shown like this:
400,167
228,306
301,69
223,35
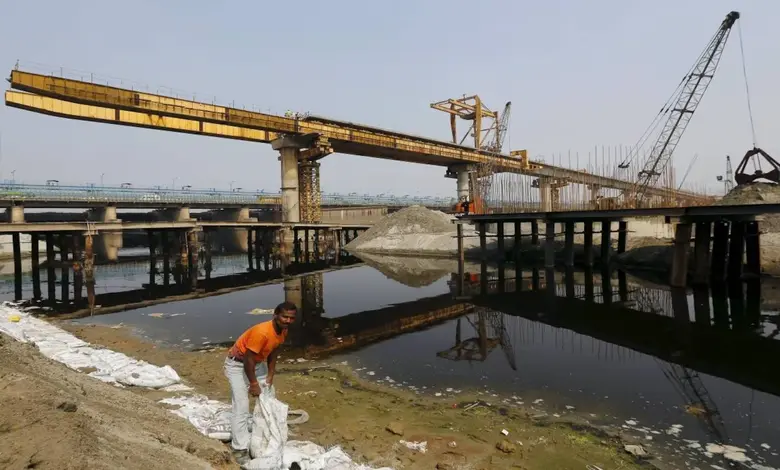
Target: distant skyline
579,75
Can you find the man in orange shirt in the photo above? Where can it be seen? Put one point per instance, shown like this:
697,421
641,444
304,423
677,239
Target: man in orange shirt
252,359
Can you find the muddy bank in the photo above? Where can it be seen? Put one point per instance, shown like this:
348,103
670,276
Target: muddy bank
55,418
356,415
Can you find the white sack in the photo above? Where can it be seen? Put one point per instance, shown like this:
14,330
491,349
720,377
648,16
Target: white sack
63,347
270,449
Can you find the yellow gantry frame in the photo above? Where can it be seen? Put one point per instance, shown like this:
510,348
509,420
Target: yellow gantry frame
469,108
77,99
133,108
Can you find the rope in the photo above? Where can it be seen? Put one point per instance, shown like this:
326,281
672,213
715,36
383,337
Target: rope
747,88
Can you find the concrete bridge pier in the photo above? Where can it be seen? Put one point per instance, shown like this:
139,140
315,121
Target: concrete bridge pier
545,194
106,244
289,150
293,293
461,173
15,214
174,214
103,214
234,239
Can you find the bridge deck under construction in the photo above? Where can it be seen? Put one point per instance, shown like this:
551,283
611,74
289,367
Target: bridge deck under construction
670,213
75,99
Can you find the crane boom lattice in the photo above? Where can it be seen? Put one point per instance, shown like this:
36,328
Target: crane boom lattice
691,91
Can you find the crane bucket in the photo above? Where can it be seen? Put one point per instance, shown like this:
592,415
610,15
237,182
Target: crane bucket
742,178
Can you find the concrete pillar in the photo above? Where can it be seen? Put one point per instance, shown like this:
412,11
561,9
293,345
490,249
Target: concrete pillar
549,246
233,239
17,247
179,214
720,242
288,156
736,249
15,214
192,245
588,243
752,250
65,269
108,243
292,292
51,276
606,242
701,253
568,253
545,194
682,242
36,273
103,214
463,183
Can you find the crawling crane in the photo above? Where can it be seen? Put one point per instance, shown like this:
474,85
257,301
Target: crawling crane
680,109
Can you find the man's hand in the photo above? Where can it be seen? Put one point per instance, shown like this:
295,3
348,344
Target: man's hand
254,389
269,380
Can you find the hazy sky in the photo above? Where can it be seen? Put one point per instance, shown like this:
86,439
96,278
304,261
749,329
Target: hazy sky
579,74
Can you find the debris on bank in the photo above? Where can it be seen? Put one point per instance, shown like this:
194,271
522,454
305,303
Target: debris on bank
210,417
415,230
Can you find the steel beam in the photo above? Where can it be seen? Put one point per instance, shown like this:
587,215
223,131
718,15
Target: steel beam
75,99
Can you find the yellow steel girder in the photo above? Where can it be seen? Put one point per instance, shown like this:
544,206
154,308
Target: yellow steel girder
145,103
76,99
55,107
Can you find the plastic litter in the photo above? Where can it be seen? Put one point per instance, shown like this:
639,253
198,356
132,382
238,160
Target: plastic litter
261,311
418,446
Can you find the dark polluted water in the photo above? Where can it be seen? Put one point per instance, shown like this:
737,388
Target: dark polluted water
635,355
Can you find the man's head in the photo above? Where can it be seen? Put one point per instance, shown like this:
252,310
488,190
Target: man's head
284,314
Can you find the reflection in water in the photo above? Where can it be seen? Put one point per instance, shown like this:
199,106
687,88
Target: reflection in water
606,343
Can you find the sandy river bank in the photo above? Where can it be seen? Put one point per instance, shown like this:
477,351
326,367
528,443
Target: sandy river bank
113,425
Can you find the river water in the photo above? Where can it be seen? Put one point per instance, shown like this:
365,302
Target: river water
547,357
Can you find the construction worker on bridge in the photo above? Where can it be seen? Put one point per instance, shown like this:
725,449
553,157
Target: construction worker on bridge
251,364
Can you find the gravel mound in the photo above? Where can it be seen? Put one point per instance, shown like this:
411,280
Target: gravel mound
756,193
414,230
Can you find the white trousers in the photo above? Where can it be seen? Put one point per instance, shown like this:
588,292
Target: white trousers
239,395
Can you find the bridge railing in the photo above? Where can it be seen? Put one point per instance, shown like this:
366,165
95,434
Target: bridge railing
135,195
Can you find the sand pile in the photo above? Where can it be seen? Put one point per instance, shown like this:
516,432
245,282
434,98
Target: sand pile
414,230
756,193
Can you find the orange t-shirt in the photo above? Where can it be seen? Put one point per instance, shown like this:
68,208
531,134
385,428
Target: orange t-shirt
260,339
